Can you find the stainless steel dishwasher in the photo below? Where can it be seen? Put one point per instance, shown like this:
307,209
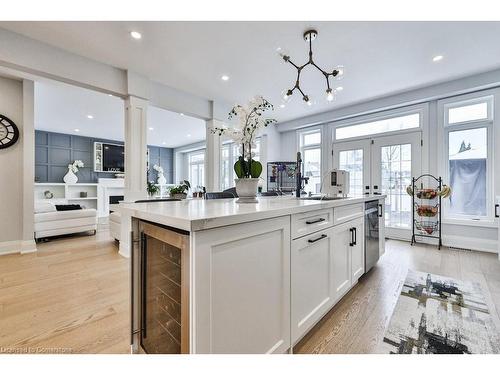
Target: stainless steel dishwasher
371,234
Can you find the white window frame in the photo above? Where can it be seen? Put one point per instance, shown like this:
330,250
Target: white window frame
443,158
420,109
320,145
189,155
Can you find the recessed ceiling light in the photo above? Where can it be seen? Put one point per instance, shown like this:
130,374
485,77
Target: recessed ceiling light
77,130
182,114
437,58
164,143
189,135
282,105
136,35
110,95
90,117
340,88
151,128
224,77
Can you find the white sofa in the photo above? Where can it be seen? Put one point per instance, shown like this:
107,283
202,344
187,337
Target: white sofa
54,223
115,225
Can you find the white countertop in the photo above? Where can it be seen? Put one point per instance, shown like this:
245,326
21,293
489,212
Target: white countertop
199,214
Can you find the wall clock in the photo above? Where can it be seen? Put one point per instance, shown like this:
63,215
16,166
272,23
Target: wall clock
9,133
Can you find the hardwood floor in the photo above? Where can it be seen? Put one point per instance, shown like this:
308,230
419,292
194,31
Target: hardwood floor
358,322
72,296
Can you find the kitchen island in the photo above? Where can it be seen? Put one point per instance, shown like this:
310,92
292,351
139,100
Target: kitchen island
215,276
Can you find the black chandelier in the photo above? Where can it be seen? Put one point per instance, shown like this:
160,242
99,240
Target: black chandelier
337,73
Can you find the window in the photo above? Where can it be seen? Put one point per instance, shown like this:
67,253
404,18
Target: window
352,161
310,148
196,161
405,122
230,152
468,131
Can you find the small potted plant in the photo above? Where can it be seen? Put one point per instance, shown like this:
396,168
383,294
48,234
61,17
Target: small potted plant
250,123
180,191
152,189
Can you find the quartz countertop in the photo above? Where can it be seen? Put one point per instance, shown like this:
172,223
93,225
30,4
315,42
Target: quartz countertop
199,214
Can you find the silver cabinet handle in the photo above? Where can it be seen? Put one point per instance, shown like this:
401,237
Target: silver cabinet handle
311,240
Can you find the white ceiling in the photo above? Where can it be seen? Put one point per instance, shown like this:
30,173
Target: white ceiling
380,58
63,108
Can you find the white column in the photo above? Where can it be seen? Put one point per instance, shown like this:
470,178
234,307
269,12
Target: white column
135,148
212,157
28,176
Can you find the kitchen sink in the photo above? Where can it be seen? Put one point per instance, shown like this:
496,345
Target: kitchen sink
322,198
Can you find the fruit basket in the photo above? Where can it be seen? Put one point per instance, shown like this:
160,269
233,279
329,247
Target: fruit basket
427,193
428,227
424,190
426,210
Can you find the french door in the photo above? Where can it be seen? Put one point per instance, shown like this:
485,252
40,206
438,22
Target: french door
384,165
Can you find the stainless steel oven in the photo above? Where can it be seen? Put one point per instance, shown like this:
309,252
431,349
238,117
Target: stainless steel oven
371,234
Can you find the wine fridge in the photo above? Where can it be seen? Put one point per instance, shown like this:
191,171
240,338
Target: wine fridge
159,289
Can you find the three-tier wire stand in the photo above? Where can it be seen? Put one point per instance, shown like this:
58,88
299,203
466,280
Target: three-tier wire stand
426,204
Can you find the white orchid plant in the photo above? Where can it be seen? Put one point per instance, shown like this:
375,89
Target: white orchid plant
250,123
75,166
158,168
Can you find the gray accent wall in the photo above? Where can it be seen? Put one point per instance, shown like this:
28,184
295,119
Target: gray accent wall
54,151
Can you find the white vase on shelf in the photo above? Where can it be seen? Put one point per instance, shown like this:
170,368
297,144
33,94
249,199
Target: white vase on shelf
161,179
70,177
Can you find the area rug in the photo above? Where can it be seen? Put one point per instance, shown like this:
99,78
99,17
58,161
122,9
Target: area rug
439,315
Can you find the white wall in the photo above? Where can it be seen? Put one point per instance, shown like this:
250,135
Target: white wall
12,180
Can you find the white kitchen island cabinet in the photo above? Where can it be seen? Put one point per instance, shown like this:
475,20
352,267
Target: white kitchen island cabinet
255,278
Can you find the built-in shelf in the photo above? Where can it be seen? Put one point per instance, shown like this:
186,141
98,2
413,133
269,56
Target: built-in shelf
68,193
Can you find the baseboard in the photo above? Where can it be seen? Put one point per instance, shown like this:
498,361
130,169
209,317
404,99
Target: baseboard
479,244
460,242
14,247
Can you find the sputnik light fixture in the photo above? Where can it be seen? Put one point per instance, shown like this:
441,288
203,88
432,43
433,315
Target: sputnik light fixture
337,73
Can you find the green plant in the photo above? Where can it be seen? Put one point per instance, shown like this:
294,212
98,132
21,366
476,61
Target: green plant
182,188
152,188
250,123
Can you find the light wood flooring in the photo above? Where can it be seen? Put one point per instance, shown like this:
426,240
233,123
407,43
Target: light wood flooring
72,296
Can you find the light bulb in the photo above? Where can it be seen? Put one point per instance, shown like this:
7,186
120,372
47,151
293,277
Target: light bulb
340,72
330,95
308,101
286,95
283,54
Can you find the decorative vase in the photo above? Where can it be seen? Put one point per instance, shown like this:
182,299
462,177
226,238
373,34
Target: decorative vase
161,179
70,177
246,188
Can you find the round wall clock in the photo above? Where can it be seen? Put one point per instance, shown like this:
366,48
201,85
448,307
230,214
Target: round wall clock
9,133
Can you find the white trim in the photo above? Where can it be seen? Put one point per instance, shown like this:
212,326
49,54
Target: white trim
17,247
479,244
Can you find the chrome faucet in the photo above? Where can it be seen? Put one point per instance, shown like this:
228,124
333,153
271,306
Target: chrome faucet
299,180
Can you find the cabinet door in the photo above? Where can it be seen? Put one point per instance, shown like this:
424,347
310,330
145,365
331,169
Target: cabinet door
341,279
357,249
381,227
241,282
312,263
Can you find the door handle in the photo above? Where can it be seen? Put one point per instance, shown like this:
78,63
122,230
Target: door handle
132,285
354,242
496,210
312,240
144,259
380,210
319,220
352,237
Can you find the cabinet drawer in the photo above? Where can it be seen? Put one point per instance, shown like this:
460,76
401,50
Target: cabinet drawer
310,222
343,214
